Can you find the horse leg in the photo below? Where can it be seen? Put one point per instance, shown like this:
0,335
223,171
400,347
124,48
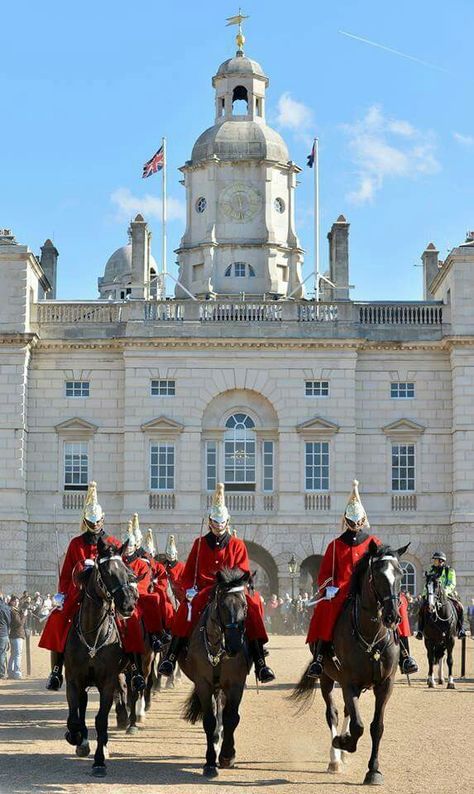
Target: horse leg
332,718
83,749
382,693
148,691
344,730
230,721
349,741
430,680
101,726
206,697
132,697
120,698
73,734
449,659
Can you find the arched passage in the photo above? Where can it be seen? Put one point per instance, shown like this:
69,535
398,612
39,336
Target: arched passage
261,561
309,570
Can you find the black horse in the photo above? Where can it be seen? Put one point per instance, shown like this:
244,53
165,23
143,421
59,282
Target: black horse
439,630
217,662
366,655
94,655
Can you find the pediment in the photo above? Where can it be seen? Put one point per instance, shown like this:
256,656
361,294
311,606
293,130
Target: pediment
76,425
404,427
162,424
318,426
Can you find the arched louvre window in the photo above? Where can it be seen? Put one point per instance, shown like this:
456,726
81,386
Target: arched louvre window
239,453
409,577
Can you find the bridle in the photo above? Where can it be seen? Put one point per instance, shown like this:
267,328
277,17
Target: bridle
213,609
381,600
382,638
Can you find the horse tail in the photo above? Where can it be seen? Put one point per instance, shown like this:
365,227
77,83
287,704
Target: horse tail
304,691
192,711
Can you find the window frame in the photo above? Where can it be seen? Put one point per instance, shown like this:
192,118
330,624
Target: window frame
76,486
322,383
159,444
395,385
77,383
402,443
404,565
319,442
170,390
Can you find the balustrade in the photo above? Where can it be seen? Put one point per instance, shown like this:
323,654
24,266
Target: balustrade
405,502
317,501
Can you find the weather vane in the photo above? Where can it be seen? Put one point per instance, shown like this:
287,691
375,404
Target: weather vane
237,20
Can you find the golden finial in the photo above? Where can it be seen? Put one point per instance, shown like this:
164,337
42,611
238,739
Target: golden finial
237,20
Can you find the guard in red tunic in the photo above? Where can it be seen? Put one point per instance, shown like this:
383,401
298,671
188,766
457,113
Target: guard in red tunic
209,554
82,550
334,580
151,603
174,568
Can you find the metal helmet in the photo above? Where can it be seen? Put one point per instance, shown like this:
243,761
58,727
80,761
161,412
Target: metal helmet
219,512
149,544
439,555
171,552
129,536
137,531
355,511
92,511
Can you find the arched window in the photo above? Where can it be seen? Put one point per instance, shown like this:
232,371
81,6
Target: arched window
240,101
239,453
228,272
409,577
251,271
240,270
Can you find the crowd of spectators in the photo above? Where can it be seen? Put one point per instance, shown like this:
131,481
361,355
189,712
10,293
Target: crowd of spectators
288,615
20,617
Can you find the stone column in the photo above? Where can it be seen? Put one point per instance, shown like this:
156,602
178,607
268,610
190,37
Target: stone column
140,258
430,261
339,259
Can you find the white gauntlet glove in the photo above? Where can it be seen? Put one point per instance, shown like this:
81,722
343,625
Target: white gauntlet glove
58,600
331,591
191,592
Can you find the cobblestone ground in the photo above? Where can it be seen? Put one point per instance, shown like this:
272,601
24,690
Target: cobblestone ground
427,746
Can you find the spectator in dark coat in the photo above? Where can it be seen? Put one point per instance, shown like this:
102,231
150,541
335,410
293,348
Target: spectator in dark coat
17,637
5,620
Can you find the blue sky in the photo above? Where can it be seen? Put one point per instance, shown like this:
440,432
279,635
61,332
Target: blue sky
89,89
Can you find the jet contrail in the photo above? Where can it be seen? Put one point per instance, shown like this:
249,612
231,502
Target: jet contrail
394,52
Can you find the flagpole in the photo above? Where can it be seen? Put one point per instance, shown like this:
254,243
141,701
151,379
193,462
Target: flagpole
163,223
316,220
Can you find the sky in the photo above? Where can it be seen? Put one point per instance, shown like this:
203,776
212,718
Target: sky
88,90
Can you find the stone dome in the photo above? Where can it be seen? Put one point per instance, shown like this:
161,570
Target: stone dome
240,140
120,265
240,64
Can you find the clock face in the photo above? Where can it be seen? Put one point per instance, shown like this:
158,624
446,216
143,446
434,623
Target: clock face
240,202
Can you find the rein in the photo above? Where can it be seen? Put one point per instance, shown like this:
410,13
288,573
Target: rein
215,658
382,638
109,612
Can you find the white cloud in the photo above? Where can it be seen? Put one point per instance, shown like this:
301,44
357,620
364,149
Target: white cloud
295,116
466,140
127,205
384,147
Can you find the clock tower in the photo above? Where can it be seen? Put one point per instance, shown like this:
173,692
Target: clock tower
240,197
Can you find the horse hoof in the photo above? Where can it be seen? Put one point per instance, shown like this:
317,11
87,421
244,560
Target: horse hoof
83,750
430,683
210,771
147,706
132,730
373,779
334,767
99,771
121,726
227,763
451,685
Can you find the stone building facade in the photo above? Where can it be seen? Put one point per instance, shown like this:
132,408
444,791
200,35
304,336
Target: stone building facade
237,378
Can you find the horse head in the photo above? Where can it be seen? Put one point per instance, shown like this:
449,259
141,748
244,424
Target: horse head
435,591
385,578
113,580
231,607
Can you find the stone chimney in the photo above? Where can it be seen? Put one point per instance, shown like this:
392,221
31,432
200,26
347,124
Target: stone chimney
48,262
430,261
140,236
339,259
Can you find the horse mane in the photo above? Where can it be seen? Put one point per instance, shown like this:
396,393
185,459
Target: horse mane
360,569
231,576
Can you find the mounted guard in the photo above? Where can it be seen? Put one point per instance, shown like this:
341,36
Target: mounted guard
81,553
334,579
174,568
210,554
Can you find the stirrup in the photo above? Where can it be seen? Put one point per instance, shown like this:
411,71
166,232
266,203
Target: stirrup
461,634
166,667
156,643
264,674
316,667
55,680
409,665
138,682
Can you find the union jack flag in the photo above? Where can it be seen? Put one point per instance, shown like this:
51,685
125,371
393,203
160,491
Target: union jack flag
311,156
154,164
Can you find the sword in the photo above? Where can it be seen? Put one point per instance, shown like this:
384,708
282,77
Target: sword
196,568
57,541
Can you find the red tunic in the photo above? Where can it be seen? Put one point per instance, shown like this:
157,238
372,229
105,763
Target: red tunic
336,569
404,626
214,554
150,604
174,572
59,622
160,587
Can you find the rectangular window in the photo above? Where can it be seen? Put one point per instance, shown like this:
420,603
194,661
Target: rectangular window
239,464
76,466
317,388
77,388
267,454
403,467
317,466
401,390
163,388
239,269
211,465
162,461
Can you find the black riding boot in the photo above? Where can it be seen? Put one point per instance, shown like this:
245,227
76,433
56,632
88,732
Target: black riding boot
407,662
264,673
460,626
169,662
55,678
316,667
137,680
